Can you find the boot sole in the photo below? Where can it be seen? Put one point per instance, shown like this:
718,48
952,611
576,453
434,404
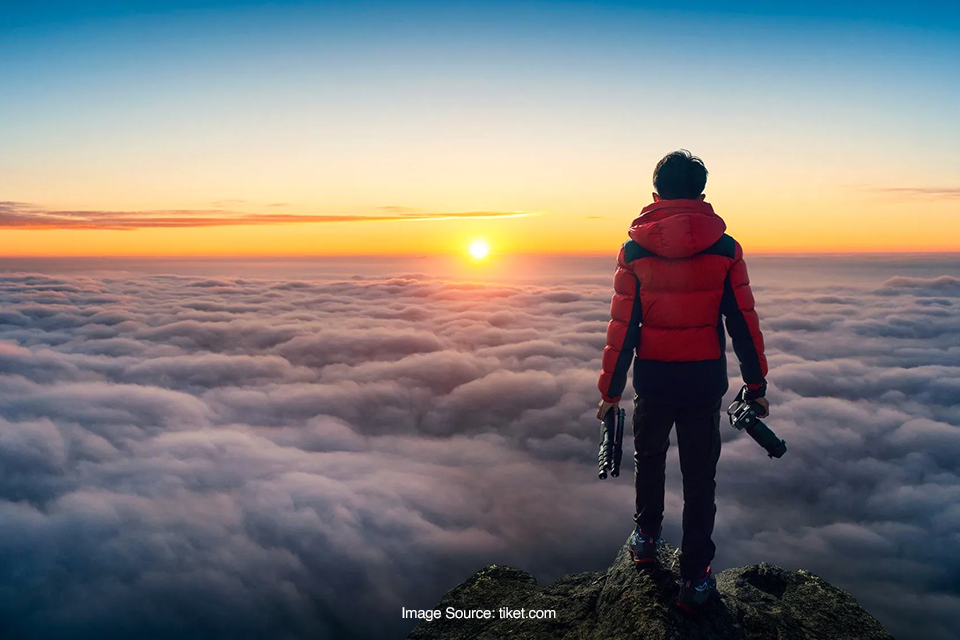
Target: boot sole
642,561
696,609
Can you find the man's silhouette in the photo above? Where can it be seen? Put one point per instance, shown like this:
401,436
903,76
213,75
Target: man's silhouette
676,277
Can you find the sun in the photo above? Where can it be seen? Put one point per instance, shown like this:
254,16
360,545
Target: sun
479,249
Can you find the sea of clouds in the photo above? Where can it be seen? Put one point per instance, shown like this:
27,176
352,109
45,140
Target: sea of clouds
191,455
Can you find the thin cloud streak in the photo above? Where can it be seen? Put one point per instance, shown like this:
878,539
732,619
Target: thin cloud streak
939,193
18,215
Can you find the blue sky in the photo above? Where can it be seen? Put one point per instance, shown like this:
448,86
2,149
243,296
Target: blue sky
934,15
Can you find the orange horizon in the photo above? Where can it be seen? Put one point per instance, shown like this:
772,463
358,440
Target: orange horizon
762,225
492,256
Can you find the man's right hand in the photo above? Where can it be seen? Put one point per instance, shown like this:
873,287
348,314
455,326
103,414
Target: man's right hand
605,406
763,402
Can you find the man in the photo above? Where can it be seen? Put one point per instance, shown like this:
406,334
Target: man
676,277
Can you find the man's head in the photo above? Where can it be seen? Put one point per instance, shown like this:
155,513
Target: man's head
679,175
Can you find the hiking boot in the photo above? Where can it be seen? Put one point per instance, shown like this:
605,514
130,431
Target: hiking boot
695,594
643,548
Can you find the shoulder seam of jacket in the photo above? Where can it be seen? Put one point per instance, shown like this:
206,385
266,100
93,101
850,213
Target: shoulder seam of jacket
633,251
724,246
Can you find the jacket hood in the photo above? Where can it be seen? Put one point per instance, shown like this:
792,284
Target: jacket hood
677,228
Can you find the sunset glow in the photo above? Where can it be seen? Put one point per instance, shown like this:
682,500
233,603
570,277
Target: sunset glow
479,249
333,129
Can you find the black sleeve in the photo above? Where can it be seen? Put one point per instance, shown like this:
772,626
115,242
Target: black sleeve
739,331
619,380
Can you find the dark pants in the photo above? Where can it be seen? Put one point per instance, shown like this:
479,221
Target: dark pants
698,440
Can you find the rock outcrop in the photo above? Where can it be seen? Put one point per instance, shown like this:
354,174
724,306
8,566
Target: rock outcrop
757,602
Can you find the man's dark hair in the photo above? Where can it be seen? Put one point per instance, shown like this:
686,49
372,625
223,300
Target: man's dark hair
679,175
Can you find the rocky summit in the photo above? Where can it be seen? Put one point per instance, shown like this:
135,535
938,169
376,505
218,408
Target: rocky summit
756,602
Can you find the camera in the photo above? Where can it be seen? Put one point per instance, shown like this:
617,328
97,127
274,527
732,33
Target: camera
745,415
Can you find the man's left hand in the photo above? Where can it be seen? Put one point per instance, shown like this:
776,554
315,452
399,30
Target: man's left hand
605,406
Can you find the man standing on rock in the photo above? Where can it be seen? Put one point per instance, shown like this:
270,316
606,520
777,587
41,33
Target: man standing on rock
677,276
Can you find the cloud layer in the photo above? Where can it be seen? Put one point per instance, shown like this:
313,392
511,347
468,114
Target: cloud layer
211,456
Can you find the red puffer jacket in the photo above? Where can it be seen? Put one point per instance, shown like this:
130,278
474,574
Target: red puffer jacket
676,277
